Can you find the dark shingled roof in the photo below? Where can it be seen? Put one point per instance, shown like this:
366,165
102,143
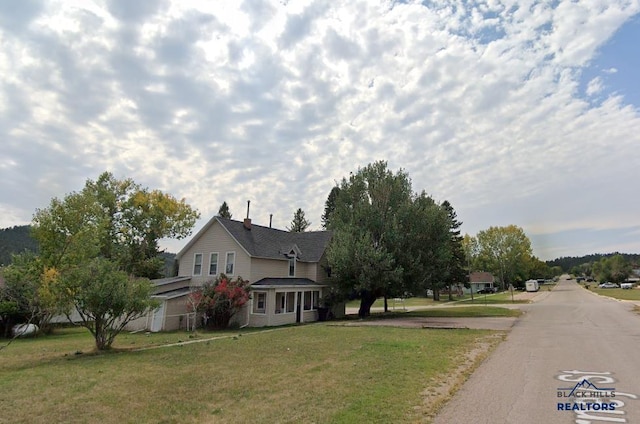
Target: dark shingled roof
265,242
285,282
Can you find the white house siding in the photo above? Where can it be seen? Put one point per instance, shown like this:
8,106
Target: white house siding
320,272
263,268
216,239
175,314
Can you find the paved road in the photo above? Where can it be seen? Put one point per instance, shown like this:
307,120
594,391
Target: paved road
568,336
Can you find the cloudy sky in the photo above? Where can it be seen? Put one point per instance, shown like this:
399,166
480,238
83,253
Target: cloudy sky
518,112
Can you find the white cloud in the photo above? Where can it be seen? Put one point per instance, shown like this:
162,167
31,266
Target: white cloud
595,86
275,101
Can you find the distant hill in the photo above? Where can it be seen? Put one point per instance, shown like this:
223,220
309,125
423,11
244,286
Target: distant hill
568,262
15,240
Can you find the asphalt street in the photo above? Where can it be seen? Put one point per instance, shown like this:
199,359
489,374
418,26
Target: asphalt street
573,357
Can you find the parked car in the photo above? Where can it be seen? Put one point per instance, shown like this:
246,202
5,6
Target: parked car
626,286
608,286
488,290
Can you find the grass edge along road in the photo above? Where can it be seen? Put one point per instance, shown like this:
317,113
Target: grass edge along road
313,373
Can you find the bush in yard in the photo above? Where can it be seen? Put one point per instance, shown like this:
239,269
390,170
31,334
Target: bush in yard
219,300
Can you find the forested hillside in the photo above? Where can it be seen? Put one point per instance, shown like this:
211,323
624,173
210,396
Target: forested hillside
15,240
18,239
569,262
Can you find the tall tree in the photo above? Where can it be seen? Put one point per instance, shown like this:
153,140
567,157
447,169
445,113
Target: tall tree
424,250
115,219
504,251
366,233
329,206
108,233
299,223
614,269
456,269
224,212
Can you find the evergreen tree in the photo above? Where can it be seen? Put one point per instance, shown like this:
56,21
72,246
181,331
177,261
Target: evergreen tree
224,212
299,223
329,206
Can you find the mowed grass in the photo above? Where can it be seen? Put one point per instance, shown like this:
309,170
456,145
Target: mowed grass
416,302
466,312
314,373
497,298
629,294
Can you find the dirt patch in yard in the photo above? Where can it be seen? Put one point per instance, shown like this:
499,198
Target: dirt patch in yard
444,387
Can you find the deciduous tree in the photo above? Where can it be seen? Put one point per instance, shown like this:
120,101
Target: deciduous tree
99,241
614,269
105,297
504,251
115,219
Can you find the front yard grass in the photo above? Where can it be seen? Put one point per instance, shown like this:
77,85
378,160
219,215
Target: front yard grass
312,373
629,294
414,302
466,312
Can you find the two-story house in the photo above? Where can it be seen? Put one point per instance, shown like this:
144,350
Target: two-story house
287,271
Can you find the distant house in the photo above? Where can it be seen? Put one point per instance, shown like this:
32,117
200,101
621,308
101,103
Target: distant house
481,280
288,273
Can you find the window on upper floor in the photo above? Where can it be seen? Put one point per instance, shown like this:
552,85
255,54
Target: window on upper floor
230,263
213,264
292,266
197,264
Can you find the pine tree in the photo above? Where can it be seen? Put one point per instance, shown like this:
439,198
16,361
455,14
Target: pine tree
224,212
299,223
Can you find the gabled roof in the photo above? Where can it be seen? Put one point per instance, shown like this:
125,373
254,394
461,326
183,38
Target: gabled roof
481,277
270,243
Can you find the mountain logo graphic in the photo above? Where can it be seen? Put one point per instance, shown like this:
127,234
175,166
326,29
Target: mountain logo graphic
586,385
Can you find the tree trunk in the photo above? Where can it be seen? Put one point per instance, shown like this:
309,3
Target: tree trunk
386,303
367,299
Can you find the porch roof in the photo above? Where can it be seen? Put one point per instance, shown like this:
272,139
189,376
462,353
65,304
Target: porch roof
286,282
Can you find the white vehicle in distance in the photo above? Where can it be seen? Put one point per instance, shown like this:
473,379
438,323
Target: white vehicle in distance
608,285
626,285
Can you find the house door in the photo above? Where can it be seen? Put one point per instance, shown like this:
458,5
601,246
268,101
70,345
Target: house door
158,317
299,308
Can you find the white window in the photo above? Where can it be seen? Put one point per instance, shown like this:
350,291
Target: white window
291,300
307,301
292,266
197,264
311,300
281,303
285,302
259,302
231,258
213,264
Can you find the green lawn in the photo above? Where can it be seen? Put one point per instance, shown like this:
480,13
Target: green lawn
466,311
313,373
630,294
444,299
503,297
